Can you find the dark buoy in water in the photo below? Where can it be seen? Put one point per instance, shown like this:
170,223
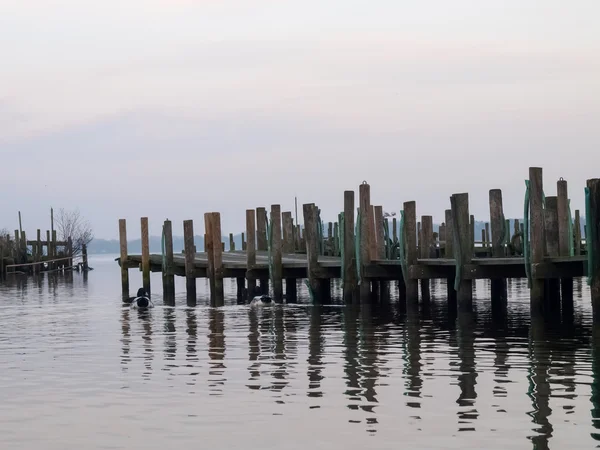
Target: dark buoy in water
261,300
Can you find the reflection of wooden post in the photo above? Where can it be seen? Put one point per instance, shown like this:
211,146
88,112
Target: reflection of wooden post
124,262
145,255
250,251
190,260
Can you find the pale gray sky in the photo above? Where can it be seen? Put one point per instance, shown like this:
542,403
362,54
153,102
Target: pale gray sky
171,108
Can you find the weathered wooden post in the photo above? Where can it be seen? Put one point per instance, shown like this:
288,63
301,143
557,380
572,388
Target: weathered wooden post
289,248
219,297
168,275
250,252
84,257
336,239
463,248
49,248
592,239
330,238
54,252
487,235
364,193
38,251
410,231
276,254
577,233
312,250
123,259
231,243
243,242
394,230
498,237
536,231
261,242
551,226
145,255
425,250
472,228
564,236
349,262
69,251
190,261
380,248
449,253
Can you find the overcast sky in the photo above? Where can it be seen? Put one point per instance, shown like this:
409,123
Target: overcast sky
172,108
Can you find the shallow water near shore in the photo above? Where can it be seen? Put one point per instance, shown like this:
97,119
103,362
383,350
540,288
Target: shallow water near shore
77,370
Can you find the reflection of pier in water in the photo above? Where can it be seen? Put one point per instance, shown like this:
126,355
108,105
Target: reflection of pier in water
216,351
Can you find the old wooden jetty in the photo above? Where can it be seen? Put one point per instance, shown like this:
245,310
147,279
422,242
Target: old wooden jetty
546,246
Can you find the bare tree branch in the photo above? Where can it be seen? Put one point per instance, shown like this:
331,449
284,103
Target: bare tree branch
72,224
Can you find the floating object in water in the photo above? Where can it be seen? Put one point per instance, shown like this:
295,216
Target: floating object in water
261,300
141,301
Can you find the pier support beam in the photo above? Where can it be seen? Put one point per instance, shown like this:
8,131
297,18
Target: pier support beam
289,248
250,252
364,193
498,285
124,262
410,236
190,257
276,253
219,298
168,277
312,251
261,242
380,236
449,253
145,255
552,285
349,262
424,247
593,235
564,246
536,232
463,244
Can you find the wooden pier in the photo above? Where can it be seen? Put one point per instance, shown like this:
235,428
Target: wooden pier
546,247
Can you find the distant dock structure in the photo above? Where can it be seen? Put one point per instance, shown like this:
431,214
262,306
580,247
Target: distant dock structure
366,253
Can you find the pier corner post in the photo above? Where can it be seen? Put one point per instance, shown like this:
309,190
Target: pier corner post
593,236
463,248
565,228
190,260
276,254
425,251
145,255
498,229
123,259
250,252
536,232
365,239
168,276
312,251
410,236
349,262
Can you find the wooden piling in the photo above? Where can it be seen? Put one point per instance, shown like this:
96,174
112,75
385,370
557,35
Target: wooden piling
564,244
498,285
487,235
483,241
425,250
145,255
349,262
365,250
168,275
261,242
593,235
54,252
231,243
219,297
312,250
372,234
449,253
124,262
38,251
537,238
190,257
472,232
69,251
243,242
49,247
250,252
84,257
276,253
330,238
336,239
551,227
464,247
410,236
577,233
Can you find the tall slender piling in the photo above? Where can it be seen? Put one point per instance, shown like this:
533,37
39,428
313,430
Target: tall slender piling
551,227
449,253
219,298
168,276
38,251
410,236
349,261
312,251
190,257
577,233
276,254
564,236
262,242
289,247
381,285
250,251
145,254
592,238
498,237
364,193
123,259
84,257
425,250
463,248
537,238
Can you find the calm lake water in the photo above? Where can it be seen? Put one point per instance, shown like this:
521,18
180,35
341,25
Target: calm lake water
79,371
